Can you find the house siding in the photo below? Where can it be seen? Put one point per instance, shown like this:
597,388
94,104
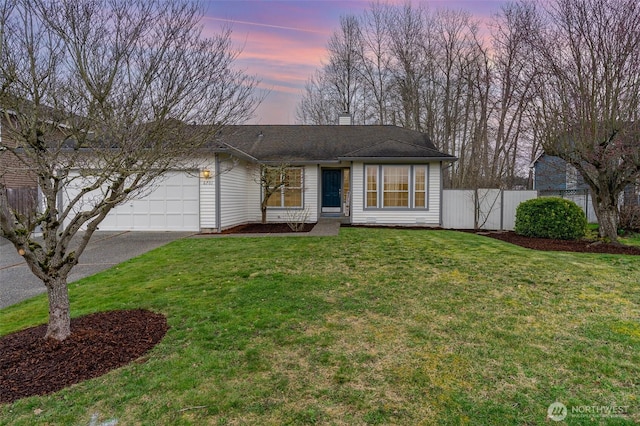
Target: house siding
408,217
253,195
13,172
208,197
235,180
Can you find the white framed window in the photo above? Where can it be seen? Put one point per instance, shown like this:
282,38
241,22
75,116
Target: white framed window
396,186
371,186
289,195
420,187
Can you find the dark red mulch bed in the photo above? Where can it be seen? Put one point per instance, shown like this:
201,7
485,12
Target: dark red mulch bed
562,245
99,343
266,228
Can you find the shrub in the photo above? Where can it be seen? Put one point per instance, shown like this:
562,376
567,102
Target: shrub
550,217
296,219
630,218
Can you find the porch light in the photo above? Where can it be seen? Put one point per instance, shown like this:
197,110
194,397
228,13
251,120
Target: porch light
206,173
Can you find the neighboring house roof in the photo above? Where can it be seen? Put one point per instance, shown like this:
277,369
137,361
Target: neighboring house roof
535,160
328,144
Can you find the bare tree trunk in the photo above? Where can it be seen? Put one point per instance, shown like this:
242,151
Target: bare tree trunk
607,213
59,327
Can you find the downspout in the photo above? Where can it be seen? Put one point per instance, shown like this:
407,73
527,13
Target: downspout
351,192
319,192
218,207
441,196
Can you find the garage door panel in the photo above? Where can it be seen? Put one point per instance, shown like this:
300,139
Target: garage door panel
158,222
172,205
174,219
156,205
191,206
134,205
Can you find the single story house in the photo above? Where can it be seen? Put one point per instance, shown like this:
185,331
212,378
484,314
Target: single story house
384,175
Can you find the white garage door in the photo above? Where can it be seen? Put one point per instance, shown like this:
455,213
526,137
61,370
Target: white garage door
172,205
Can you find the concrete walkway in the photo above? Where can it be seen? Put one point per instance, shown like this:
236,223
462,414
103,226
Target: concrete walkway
325,228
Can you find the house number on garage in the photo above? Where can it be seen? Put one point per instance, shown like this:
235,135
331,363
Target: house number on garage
207,182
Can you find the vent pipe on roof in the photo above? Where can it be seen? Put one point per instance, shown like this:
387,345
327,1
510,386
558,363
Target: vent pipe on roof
345,119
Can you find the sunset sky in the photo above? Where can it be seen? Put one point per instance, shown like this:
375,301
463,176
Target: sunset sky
283,42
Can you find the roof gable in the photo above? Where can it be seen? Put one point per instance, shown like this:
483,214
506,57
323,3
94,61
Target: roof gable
392,149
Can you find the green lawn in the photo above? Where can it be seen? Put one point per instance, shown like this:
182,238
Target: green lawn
372,327
632,239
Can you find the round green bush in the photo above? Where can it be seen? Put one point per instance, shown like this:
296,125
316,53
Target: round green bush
550,217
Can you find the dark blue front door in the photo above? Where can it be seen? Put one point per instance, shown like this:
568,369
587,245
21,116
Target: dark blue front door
331,186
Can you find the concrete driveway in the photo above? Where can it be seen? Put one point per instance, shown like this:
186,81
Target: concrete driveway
105,250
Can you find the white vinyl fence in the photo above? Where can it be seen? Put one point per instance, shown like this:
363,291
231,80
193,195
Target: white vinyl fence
581,197
489,209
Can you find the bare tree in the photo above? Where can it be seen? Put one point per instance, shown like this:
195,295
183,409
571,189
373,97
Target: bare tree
408,26
463,83
345,53
434,71
335,89
513,92
317,105
588,94
101,99
375,62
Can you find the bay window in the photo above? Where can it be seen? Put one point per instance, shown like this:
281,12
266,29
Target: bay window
396,186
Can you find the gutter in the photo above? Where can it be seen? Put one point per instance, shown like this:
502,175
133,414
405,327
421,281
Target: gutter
441,196
241,153
296,162
412,160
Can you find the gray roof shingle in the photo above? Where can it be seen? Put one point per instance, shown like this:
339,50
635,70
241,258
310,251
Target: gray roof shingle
321,144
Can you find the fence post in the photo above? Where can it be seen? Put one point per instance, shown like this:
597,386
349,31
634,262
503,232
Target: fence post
502,209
